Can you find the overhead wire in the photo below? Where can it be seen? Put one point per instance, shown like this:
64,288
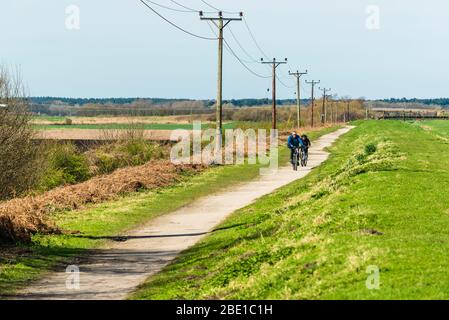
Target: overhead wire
242,63
229,49
285,85
254,39
242,48
189,8
218,10
173,24
170,8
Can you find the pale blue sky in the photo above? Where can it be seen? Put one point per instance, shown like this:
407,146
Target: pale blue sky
123,49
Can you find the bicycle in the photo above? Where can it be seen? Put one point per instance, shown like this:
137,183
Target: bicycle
295,159
304,156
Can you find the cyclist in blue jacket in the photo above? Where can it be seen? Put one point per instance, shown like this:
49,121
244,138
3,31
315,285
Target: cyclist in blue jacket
294,142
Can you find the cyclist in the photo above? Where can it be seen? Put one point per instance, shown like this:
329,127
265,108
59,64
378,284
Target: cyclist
294,142
307,144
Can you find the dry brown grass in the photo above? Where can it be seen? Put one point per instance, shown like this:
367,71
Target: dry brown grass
98,134
182,119
23,217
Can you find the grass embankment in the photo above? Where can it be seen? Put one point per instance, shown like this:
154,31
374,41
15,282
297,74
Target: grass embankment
97,223
381,200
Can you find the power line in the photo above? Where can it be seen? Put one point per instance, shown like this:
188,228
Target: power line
242,63
232,52
169,8
285,85
242,48
183,6
213,31
254,38
173,24
218,10
189,8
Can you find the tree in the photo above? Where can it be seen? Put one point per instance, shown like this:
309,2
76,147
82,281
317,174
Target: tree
19,154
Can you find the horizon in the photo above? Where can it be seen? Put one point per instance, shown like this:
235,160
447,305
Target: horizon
213,99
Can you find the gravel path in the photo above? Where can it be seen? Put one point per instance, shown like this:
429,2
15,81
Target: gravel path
116,270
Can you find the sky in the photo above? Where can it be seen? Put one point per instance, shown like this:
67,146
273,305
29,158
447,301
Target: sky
120,48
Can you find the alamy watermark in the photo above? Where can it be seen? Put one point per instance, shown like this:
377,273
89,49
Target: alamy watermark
206,147
73,17
372,22
373,280
73,279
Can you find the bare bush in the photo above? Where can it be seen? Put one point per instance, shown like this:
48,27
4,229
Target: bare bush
19,155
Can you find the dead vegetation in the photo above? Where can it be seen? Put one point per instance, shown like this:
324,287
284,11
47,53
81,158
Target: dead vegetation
21,218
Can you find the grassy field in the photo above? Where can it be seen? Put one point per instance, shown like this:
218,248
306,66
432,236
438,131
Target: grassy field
24,263
379,202
437,127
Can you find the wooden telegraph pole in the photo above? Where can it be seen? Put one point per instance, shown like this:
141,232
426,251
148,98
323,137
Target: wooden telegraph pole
274,64
347,111
313,83
324,109
298,75
220,22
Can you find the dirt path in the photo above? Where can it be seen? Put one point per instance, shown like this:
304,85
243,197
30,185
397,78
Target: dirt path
114,272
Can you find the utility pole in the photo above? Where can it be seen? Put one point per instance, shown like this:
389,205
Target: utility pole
324,109
274,64
347,111
313,83
298,75
336,112
220,22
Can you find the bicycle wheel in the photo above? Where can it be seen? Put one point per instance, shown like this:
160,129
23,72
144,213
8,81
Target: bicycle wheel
301,157
295,162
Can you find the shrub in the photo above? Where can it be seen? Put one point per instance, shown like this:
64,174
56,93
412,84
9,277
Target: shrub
65,165
51,179
74,166
19,154
124,153
370,148
105,163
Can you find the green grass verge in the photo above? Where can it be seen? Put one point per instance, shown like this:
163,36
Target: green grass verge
112,219
380,200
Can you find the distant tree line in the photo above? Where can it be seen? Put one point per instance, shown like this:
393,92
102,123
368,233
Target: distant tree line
84,101
57,106
60,106
444,102
259,102
123,101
